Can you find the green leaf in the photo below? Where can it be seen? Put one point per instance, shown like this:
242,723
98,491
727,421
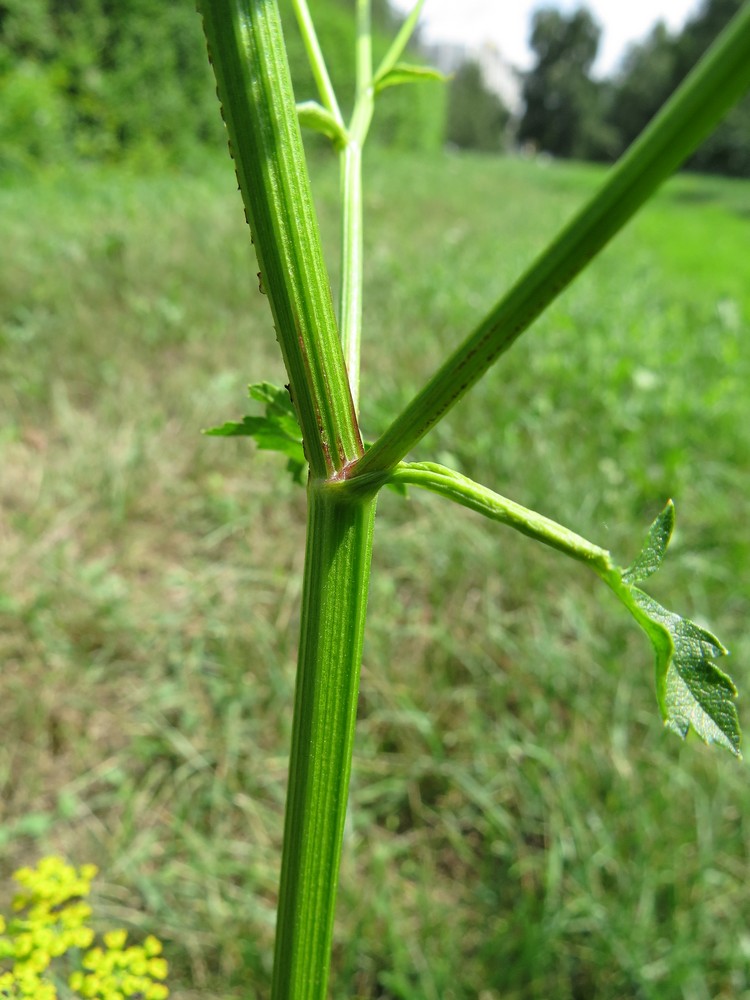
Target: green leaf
247,427
278,405
651,555
278,430
314,116
408,73
692,690
400,41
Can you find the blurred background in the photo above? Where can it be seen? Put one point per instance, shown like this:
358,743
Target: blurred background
521,826
98,81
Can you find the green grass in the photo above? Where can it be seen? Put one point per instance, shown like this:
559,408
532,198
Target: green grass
512,833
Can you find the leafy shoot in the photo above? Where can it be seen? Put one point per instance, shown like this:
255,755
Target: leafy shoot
277,430
692,691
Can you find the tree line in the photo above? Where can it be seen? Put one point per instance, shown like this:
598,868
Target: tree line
103,79
570,114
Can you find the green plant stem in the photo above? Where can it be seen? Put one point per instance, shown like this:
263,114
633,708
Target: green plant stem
453,486
316,60
364,46
400,42
352,269
337,569
716,83
246,46
252,74
691,689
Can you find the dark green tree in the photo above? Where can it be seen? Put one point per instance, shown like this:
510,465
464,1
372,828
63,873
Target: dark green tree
476,118
106,78
654,68
644,82
563,114
727,150
101,78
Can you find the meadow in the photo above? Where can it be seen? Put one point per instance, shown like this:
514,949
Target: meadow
521,826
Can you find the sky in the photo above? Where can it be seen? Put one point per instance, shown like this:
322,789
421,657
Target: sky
506,23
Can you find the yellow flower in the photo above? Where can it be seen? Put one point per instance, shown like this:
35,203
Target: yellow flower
158,968
53,921
152,946
75,980
24,944
115,940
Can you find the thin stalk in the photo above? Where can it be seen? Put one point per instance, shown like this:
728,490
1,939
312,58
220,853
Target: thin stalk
337,569
352,269
316,59
400,42
337,572
246,46
462,490
364,45
252,73
717,82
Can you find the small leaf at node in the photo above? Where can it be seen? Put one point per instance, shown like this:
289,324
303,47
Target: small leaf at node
651,555
408,73
278,430
314,116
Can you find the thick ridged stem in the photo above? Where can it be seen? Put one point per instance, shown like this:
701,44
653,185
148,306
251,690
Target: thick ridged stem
337,570
246,46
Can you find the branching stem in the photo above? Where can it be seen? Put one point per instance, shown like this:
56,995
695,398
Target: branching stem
717,82
246,43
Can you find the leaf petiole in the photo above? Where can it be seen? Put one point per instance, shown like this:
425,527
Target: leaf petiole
692,691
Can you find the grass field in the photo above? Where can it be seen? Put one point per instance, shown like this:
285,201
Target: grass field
521,826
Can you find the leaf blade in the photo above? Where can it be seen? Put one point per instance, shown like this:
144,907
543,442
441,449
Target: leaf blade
408,73
650,558
314,116
692,691
400,42
277,430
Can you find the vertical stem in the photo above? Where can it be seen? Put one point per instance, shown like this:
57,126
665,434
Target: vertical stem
350,308
350,304
337,569
337,573
246,45
364,45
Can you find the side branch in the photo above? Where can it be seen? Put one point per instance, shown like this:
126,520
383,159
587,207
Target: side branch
717,82
453,486
692,691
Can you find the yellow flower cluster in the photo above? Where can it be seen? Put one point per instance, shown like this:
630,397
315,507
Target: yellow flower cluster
50,920
117,972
